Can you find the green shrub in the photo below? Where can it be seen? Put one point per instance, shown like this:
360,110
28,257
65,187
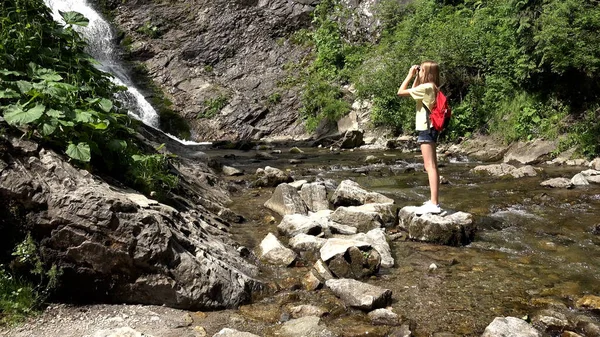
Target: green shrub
213,106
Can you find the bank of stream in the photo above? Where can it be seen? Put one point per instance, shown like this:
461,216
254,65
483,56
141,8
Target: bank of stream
534,248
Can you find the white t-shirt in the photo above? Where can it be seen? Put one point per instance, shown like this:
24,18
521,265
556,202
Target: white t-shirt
423,94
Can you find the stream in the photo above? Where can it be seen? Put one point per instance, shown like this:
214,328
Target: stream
534,248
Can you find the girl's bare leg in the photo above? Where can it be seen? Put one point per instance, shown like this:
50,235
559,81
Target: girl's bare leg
430,162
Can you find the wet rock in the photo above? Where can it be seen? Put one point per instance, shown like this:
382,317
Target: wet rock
589,302
384,317
453,229
404,331
311,282
227,332
261,155
296,150
586,326
592,176
570,334
371,159
230,216
349,193
304,327
270,177
274,252
551,321
558,183
264,311
294,224
305,242
315,196
596,229
360,295
532,152
231,171
510,326
377,239
482,148
307,310
525,171
286,200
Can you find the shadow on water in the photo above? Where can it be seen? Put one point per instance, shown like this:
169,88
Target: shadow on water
534,248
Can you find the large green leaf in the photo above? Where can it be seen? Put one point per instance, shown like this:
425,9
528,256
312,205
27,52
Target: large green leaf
85,116
24,86
79,152
117,145
48,129
16,115
74,18
9,93
7,72
105,105
55,113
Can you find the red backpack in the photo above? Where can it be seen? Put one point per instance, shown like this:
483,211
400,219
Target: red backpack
439,118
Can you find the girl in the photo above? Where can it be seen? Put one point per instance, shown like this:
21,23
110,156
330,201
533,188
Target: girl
424,90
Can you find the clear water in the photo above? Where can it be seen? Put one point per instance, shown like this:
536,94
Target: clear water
534,248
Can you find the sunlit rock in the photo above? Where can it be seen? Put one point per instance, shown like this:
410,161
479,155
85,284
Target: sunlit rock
350,193
510,326
227,332
551,321
590,302
322,271
298,184
532,152
311,282
595,164
364,220
453,229
305,242
558,183
579,180
303,327
315,196
360,295
355,263
336,246
376,237
294,224
271,177
307,310
231,171
384,316
500,170
274,252
286,200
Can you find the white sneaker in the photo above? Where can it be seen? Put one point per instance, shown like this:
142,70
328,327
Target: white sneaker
428,207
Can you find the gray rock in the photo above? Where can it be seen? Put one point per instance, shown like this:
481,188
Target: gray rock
337,246
360,295
294,224
116,245
298,184
550,320
304,327
453,229
355,263
499,170
595,164
271,177
274,252
558,183
579,180
377,239
286,200
315,196
307,310
322,271
304,242
533,152
363,220
227,332
384,317
510,326
350,193
231,171
119,332
352,139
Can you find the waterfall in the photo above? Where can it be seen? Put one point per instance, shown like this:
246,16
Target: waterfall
101,45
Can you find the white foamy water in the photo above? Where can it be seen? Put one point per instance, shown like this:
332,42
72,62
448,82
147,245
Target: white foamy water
100,38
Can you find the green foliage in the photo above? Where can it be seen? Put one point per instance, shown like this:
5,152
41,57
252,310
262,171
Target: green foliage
274,98
151,173
51,89
150,30
28,283
321,100
213,106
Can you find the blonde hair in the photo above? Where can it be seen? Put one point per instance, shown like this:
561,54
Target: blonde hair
430,71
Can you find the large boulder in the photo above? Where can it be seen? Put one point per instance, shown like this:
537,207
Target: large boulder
360,295
315,196
271,177
115,245
453,229
286,200
350,193
533,152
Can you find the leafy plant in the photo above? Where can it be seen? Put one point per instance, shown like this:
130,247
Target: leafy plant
213,106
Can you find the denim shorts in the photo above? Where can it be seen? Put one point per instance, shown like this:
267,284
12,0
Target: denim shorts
428,136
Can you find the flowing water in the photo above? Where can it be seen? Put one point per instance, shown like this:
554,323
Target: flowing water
534,248
101,45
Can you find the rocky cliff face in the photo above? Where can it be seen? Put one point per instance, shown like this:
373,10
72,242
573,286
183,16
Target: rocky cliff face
116,245
224,57
227,59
